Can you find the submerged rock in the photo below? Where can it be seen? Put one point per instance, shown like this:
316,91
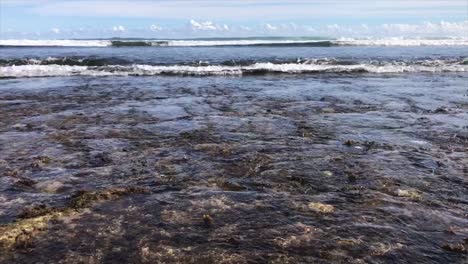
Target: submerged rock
40,161
34,220
350,142
100,159
222,150
20,233
230,185
36,211
208,220
328,110
4,164
415,195
84,198
51,186
459,248
320,207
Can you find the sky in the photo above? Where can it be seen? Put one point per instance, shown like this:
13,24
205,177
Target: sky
54,19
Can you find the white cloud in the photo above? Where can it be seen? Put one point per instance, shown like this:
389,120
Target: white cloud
207,26
293,26
421,30
196,28
246,17
270,27
155,28
118,29
427,29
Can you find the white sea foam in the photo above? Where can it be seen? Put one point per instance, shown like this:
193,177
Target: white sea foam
48,70
257,68
389,68
240,42
173,43
402,42
339,42
194,43
55,43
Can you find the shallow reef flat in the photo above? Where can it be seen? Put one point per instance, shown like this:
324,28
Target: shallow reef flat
317,168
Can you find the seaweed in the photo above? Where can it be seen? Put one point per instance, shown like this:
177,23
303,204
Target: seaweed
32,221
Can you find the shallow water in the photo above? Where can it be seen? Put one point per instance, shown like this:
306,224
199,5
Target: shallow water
275,168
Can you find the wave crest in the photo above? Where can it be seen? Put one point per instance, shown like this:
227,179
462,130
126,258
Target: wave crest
297,66
305,42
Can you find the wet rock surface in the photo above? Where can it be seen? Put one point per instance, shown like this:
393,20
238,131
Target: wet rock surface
271,169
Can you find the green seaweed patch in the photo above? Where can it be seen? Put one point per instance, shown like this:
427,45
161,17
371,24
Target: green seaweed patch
321,207
412,194
257,164
83,199
230,185
216,150
35,220
40,161
21,233
37,211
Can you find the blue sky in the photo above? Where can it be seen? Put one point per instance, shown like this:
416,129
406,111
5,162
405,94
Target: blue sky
208,18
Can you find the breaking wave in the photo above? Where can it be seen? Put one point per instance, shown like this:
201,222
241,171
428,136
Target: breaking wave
305,42
70,61
105,67
54,43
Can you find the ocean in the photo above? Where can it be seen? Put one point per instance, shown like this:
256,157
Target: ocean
39,58
268,150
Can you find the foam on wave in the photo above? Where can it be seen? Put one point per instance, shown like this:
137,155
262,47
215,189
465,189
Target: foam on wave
234,42
54,43
402,42
304,67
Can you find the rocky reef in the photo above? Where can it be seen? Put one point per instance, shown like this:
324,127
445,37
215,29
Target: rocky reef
271,169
